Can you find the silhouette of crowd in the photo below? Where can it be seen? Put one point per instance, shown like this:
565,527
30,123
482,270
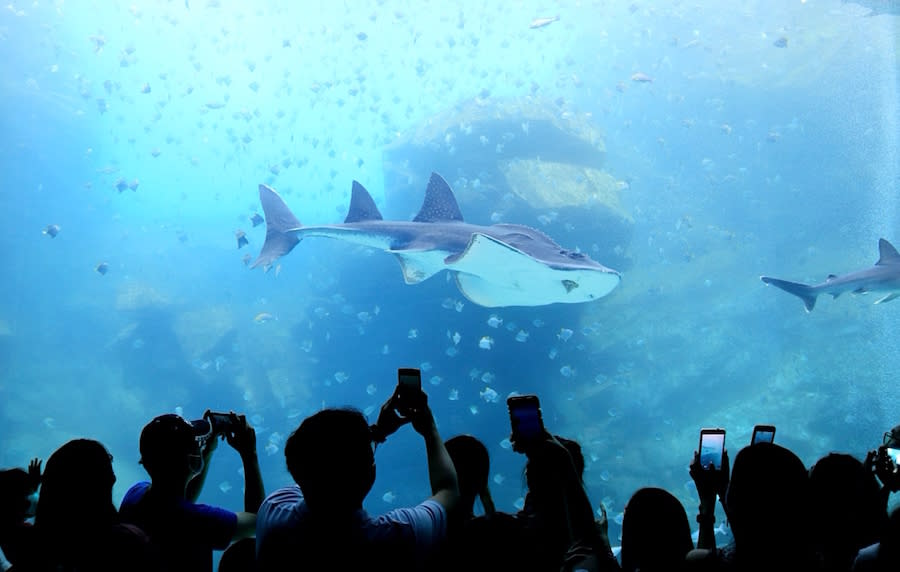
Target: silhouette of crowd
832,516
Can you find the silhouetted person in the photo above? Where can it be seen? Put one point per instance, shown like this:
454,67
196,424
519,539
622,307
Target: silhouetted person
847,513
883,466
176,455
558,520
472,462
319,524
76,524
768,510
656,534
18,501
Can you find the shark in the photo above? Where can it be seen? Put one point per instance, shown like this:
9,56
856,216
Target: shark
493,266
884,276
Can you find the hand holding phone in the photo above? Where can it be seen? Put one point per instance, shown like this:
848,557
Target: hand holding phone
712,448
525,420
222,423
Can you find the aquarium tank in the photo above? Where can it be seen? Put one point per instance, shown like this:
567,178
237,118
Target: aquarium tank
604,185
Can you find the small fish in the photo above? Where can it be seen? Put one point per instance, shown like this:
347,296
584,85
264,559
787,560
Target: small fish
256,219
541,22
145,88
121,184
271,449
388,497
522,336
641,77
564,334
494,321
155,152
241,237
486,342
489,395
215,105
51,230
133,185
102,268
246,259
781,42
362,36
264,317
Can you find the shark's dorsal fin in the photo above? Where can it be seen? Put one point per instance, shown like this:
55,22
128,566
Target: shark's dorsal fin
887,254
440,204
362,207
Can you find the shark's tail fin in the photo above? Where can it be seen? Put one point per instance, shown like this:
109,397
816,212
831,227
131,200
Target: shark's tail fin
806,293
280,221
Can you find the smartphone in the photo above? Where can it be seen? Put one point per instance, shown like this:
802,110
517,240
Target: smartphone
763,434
221,422
712,447
409,388
525,418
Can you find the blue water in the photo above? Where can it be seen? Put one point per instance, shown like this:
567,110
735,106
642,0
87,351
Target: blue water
742,158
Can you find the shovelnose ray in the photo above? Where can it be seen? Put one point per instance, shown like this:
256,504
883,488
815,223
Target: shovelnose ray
884,276
497,265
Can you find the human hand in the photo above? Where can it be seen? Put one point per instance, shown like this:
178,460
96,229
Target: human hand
709,480
34,473
421,417
389,420
241,436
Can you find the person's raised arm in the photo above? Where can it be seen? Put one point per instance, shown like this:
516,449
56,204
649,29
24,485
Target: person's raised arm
441,472
710,483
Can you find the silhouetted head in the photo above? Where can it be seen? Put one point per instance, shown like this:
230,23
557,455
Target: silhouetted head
15,487
768,498
892,438
76,489
847,513
170,446
656,534
330,456
472,463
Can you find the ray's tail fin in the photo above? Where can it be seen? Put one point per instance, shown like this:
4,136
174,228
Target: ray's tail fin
280,221
806,293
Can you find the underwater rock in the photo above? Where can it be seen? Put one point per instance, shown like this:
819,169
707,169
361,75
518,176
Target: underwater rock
523,161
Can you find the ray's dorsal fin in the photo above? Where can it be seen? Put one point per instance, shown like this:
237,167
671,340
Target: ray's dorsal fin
887,254
440,204
362,207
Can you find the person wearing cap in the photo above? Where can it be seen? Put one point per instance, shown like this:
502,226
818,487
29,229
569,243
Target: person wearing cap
176,454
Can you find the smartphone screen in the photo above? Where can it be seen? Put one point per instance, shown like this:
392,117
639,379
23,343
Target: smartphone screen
763,434
410,379
409,383
894,454
712,446
525,417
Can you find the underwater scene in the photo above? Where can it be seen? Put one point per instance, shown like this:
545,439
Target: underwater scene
270,207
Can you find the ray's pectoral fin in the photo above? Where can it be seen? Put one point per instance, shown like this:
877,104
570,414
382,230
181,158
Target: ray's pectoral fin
492,273
418,265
